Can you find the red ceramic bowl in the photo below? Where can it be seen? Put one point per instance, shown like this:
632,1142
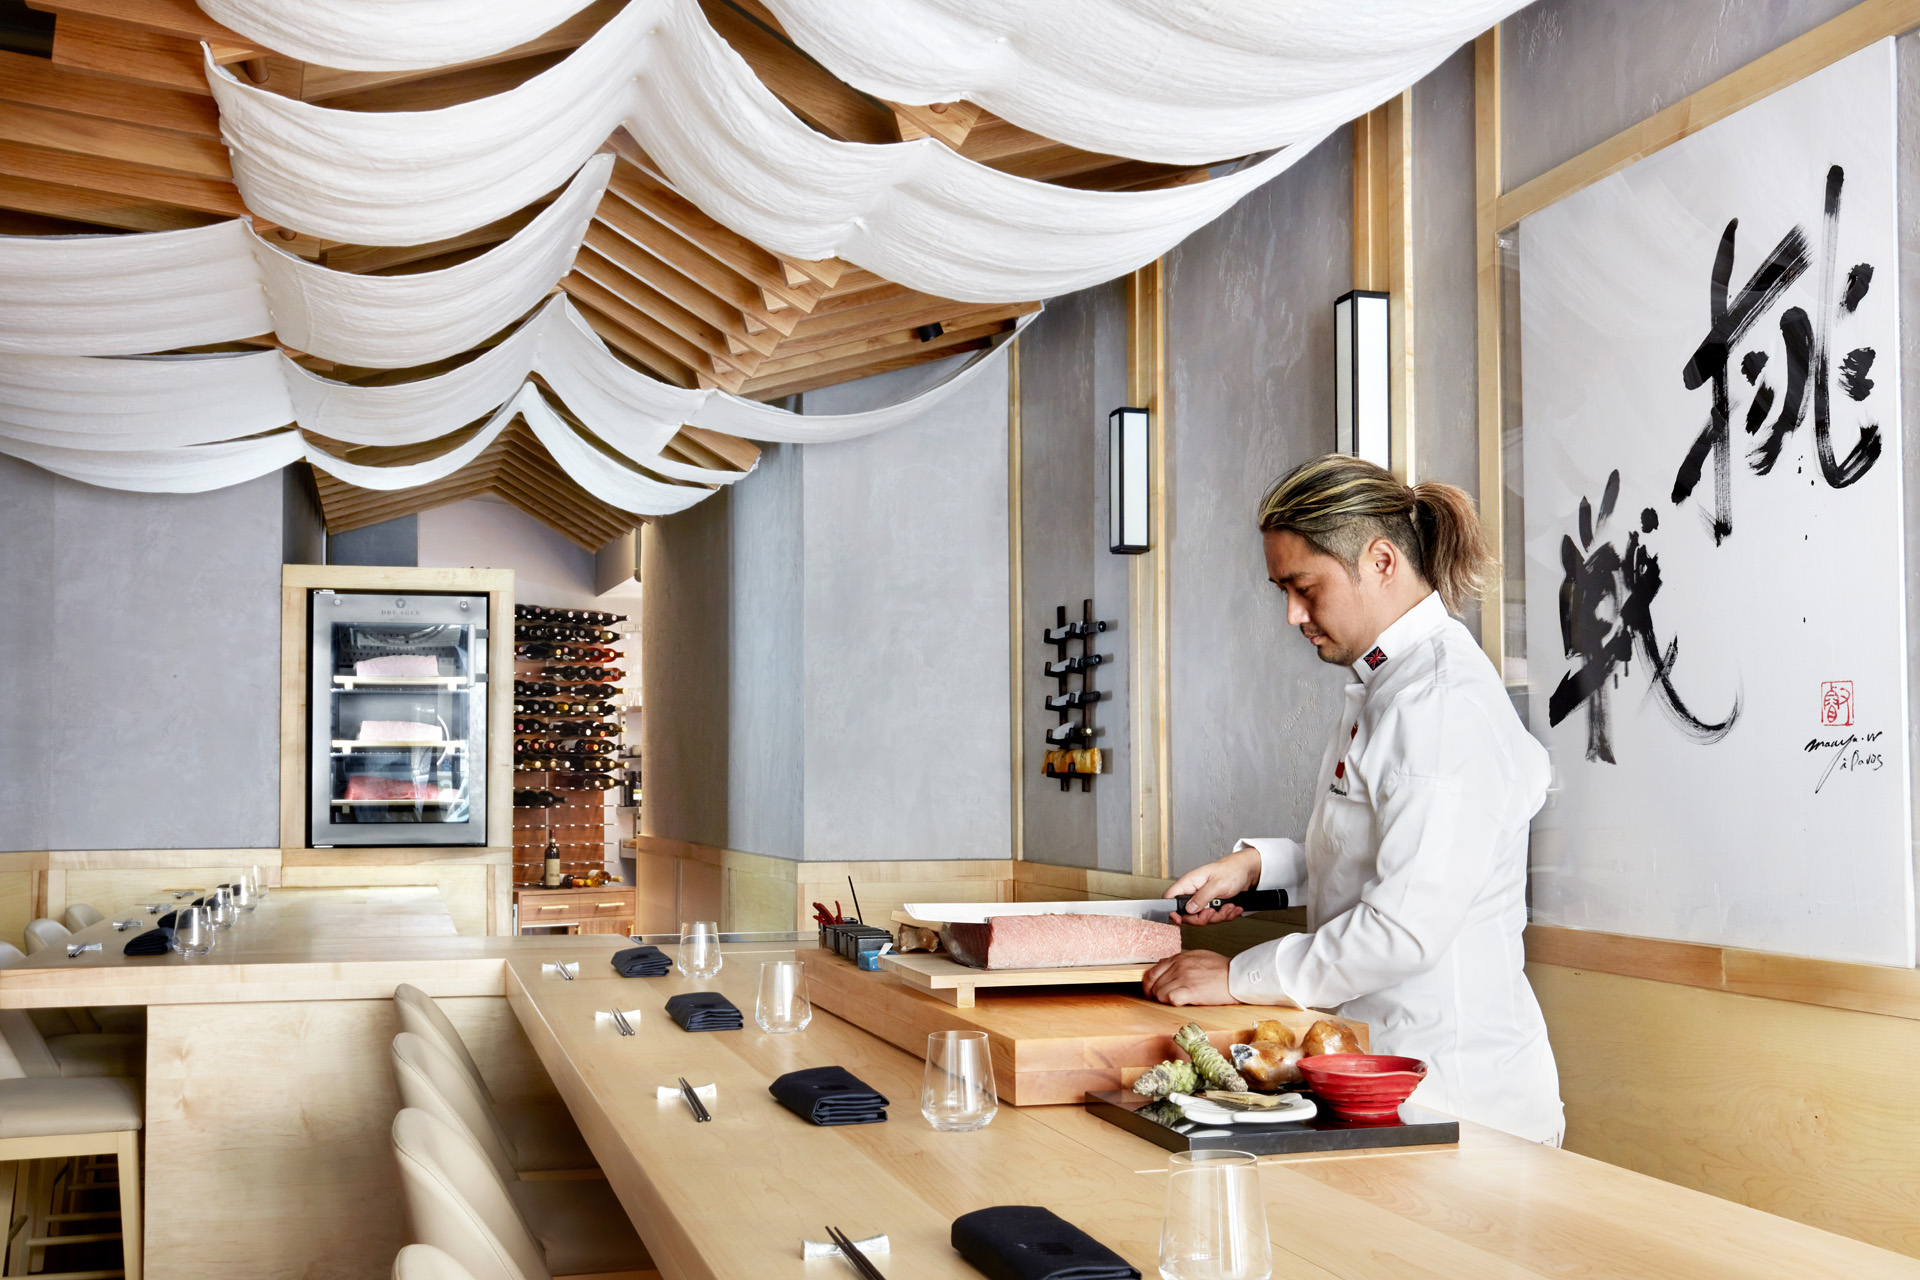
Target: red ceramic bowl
1363,1086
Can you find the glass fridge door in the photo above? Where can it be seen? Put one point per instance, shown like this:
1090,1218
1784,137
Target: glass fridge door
399,719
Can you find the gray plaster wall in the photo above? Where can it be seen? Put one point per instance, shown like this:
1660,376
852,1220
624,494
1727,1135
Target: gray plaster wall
1250,376
905,619
685,618
139,665
1073,372
390,543
1576,72
764,743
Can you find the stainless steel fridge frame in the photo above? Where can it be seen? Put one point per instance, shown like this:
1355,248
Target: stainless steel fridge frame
394,609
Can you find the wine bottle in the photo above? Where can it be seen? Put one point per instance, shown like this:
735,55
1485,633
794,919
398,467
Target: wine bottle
551,876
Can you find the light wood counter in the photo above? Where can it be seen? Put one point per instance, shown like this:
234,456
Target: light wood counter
736,1197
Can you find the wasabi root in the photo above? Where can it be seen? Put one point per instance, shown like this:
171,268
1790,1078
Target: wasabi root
1213,1068
1168,1077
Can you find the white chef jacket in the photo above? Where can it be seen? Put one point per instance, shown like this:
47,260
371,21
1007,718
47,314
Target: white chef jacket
1414,874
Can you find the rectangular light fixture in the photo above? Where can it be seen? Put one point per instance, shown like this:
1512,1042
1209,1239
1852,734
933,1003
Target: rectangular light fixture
1129,482
1362,378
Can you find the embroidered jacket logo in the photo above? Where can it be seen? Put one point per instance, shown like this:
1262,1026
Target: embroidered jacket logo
1375,657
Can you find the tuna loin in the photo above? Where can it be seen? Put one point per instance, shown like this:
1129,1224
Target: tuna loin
1060,941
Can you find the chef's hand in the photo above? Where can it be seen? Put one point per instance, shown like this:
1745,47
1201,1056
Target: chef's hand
1192,977
1234,874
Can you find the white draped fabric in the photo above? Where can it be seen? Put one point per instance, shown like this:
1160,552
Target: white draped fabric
182,423
123,295
916,213
1176,81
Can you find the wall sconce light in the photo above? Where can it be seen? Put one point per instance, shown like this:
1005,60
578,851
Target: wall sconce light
1129,482
1362,379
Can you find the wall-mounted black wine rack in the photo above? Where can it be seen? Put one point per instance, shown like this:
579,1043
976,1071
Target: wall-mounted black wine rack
1074,706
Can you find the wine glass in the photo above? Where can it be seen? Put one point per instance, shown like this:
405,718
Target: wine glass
957,1093
698,955
783,1005
242,895
259,882
221,908
1216,1223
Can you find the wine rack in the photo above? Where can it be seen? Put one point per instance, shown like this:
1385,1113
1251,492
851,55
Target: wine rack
559,753
1070,751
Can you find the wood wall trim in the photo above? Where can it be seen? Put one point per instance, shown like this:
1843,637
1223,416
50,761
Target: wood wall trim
1148,623
1016,615
1821,47
1834,984
1383,252
1487,178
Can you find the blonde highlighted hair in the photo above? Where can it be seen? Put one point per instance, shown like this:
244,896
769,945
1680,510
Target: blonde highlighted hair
1340,504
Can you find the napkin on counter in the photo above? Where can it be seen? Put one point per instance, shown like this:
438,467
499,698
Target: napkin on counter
642,962
704,1011
154,942
829,1095
167,921
1027,1242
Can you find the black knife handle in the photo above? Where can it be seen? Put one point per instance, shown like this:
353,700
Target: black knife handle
1251,900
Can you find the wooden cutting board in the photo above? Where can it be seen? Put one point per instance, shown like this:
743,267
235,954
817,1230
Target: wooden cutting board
947,979
1051,1045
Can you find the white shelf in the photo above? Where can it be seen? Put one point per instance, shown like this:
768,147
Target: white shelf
350,804
353,684
349,745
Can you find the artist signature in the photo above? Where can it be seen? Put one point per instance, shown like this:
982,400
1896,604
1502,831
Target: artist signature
1851,754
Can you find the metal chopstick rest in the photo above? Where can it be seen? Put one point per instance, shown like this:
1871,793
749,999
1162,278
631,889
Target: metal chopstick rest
620,1022
851,1252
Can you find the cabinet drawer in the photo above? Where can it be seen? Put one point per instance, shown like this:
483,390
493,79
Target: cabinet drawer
537,912
614,906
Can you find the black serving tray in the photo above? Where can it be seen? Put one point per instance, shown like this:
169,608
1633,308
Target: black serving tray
1416,1127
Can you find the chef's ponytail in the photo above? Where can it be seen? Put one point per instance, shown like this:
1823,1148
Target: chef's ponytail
1340,504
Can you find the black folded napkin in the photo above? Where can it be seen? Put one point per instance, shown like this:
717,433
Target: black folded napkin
1026,1242
704,1011
829,1095
167,921
154,942
642,962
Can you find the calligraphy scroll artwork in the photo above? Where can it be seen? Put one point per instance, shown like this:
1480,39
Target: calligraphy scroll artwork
1715,595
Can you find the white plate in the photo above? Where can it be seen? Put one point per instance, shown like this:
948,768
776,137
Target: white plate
1204,1112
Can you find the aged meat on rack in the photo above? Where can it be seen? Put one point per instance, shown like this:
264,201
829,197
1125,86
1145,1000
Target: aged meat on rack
1060,941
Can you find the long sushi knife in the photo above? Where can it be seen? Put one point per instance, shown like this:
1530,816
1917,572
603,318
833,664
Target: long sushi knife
1133,908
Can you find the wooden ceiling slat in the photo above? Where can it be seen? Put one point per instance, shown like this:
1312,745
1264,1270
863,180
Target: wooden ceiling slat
725,451
636,262
361,259
120,177
37,82
102,208
131,54
674,211
634,347
887,341
690,261
90,136
831,373
814,94
636,321
181,19
442,89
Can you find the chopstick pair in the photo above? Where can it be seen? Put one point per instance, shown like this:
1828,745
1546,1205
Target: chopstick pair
620,1022
851,1252
700,1112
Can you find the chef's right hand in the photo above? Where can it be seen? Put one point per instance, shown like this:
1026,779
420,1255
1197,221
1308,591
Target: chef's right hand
1232,875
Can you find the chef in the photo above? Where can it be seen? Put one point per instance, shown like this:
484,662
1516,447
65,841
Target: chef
1414,866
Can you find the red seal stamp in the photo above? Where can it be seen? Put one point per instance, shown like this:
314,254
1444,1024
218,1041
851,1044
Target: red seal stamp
1836,703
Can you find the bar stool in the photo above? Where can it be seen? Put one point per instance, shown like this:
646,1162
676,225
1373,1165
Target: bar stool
46,932
540,1138
424,1262
553,1210
73,1054
82,914
456,1202
50,1119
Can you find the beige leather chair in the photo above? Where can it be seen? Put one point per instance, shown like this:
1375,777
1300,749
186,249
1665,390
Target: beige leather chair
431,1081
540,1138
46,932
456,1202
424,1262
47,1119
81,914
72,1054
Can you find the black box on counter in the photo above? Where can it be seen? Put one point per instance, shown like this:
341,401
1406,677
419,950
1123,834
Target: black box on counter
853,939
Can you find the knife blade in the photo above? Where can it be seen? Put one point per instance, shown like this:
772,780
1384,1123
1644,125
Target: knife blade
1134,908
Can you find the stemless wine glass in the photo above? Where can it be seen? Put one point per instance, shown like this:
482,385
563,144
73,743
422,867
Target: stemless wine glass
783,1005
221,908
1216,1224
698,955
192,936
242,895
957,1093
259,883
